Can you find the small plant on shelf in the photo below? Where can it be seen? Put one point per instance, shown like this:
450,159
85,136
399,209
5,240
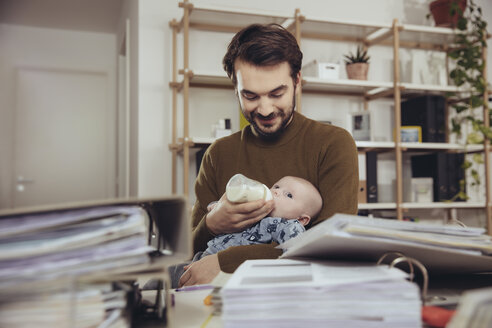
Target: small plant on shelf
357,65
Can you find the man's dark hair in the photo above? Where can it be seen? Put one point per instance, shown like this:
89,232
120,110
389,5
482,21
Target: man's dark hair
263,45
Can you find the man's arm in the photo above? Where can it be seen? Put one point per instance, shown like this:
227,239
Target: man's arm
225,217
338,177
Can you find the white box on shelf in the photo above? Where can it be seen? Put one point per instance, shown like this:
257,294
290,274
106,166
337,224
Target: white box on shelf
322,70
418,190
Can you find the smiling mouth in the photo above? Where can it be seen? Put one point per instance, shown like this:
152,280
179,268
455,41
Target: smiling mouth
267,120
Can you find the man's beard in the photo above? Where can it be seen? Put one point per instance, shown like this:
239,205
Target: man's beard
285,116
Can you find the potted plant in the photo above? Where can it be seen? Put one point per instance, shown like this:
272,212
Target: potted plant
357,65
468,73
447,12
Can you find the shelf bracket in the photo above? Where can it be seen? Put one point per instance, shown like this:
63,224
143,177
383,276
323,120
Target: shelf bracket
176,85
186,4
174,24
176,147
187,72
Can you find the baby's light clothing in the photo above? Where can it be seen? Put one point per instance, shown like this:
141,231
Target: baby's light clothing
268,230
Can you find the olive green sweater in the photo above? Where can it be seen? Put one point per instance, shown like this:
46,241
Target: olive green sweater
323,154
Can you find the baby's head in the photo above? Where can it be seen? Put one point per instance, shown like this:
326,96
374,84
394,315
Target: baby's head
296,198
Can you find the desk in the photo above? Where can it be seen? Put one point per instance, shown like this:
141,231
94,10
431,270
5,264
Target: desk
190,312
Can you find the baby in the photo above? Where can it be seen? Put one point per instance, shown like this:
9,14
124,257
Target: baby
296,202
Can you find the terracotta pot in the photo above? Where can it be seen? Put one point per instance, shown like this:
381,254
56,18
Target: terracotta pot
357,71
440,12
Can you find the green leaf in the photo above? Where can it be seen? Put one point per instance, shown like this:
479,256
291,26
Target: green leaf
475,176
460,108
478,158
474,138
476,101
466,165
462,195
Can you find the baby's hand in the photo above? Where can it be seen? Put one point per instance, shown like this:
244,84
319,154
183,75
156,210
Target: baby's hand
211,206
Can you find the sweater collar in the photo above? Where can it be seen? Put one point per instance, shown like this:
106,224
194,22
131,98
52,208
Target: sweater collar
290,132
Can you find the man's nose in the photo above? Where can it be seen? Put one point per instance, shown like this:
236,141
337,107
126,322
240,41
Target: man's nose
265,106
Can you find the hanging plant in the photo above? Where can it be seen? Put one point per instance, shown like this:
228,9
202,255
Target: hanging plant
468,73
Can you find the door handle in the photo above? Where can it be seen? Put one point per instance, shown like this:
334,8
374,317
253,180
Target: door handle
21,179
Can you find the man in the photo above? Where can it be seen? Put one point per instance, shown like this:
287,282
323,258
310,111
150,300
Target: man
264,63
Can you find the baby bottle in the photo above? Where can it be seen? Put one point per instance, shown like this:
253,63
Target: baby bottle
241,189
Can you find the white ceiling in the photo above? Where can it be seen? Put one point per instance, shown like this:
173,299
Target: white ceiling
85,15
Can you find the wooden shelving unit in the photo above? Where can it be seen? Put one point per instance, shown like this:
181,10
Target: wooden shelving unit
394,35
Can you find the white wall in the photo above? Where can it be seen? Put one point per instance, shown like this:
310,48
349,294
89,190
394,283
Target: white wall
46,49
150,73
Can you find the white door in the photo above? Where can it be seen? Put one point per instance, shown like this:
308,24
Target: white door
61,137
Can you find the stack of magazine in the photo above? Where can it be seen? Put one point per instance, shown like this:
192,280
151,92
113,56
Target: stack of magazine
440,248
294,293
66,267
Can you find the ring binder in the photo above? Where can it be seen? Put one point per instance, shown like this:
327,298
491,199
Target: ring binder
411,262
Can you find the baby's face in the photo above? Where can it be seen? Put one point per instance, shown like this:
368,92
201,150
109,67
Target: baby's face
290,197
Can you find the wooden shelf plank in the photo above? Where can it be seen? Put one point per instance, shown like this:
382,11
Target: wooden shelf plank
377,206
358,87
441,205
444,205
338,30
412,88
440,146
229,19
426,37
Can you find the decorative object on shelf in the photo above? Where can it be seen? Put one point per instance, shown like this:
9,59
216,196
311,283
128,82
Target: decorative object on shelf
361,125
418,190
411,134
426,67
321,70
446,13
223,128
467,53
357,65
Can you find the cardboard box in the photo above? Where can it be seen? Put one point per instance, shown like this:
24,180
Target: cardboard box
327,71
362,194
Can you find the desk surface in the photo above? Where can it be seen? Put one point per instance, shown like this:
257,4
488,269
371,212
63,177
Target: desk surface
190,311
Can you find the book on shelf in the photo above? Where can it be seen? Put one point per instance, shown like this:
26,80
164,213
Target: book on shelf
372,176
441,248
428,112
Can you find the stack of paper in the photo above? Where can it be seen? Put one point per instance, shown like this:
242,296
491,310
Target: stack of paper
89,306
45,260
292,293
474,309
440,248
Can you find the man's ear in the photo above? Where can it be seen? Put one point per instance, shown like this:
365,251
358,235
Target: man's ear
304,219
299,80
